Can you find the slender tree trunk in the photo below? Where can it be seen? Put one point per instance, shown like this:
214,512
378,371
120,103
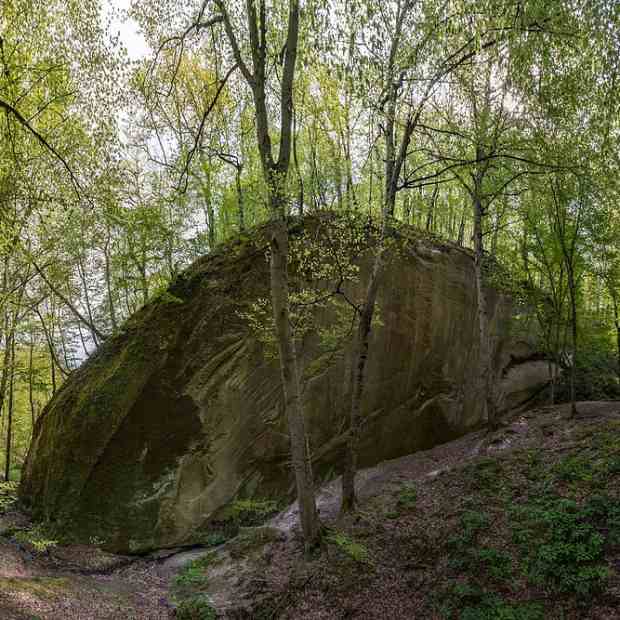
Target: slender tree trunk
293,403
31,380
614,301
395,157
524,252
9,428
431,210
275,174
485,374
63,346
358,370
82,340
618,344
209,208
67,303
89,312
461,237
126,296
300,179
573,310
108,281
240,204
50,348
8,336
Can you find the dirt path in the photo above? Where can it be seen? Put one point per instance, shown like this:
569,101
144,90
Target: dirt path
80,582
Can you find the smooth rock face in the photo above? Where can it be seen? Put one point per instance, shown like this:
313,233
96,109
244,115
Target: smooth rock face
182,410
526,380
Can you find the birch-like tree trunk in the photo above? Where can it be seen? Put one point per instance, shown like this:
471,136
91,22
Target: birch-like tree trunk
275,172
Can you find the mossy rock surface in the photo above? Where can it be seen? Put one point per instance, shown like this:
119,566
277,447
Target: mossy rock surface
181,411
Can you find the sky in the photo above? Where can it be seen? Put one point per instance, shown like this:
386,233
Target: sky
127,28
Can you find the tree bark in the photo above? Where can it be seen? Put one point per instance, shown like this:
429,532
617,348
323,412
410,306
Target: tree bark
572,290
108,280
8,336
484,355
31,380
9,428
614,301
289,371
358,370
275,174
395,156
240,204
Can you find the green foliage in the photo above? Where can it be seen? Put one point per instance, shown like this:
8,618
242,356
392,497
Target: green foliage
498,564
475,603
194,573
483,475
249,512
8,495
471,524
324,266
560,542
596,371
575,468
466,554
408,496
195,608
37,536
494,608
355,550
562,547
166,297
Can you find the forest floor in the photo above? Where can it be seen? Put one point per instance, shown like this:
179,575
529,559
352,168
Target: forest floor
519,524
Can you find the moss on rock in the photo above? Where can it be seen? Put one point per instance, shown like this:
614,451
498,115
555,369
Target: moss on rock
181,411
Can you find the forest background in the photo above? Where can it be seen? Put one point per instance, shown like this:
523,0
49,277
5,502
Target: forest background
117,171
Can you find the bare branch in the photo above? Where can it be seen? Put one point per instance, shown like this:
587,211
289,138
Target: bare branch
22,121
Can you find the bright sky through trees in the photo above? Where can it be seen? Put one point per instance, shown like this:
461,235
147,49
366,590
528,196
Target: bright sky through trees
126,28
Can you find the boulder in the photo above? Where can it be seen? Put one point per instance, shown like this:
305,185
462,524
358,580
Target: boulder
181,411
526,380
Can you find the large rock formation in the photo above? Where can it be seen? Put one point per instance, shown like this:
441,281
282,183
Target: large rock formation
182,411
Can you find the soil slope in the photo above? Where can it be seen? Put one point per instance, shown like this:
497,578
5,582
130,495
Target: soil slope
520,524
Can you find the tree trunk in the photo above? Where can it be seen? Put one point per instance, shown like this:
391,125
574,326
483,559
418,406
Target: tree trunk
67,303
275,174
358,370
461,237
573,311
108,280
617,324
431,210
31,380
485,375
8,335
618,345
89,312
9,428
240,205
210,214
50,348
293,403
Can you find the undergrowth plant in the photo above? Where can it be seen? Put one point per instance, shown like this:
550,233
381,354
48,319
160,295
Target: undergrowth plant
355,550
8,495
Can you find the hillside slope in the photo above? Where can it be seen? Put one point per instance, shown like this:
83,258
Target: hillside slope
521,524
